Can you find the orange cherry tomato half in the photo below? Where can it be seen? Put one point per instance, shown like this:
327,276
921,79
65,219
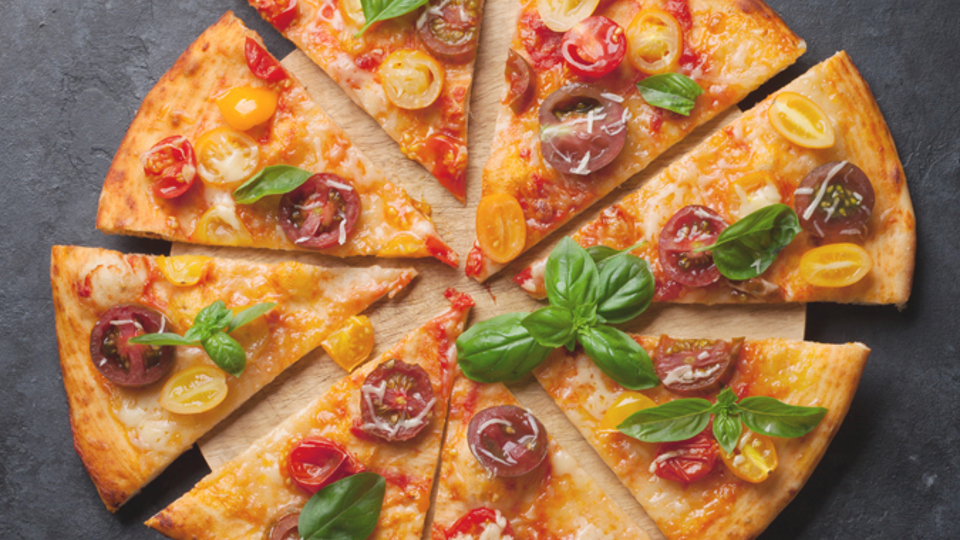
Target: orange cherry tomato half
625,405
352,343
594,47
753,459
261,63
183,270
279,13
316,462
801,121
194,390
835,265
655,42
501,227
171,165
244,107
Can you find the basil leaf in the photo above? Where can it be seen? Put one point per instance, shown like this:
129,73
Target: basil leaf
626,288
727,429
726,398
161,339
381,10
676,420
347,509
272,180
600,253
775,418
212,318
499,349
671,91
747,248
551,326
571,276
225,353
249,314
619,356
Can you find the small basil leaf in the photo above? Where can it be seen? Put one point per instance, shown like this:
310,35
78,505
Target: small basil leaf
626,288
747,248
619,356
676,420
571,276
161,339
726,398
550,326
775,418
347,509
601,253
225,353
212,318
499,349
272,180
672,91
249,314
381,10
727,430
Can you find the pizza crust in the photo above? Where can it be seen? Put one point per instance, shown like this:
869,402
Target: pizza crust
122,435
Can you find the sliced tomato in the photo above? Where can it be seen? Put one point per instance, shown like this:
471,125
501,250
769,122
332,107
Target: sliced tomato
261,63
321,213
594,47
696,366
279,13
562,15
245,107
686,461
285,528
801,121
316,462
691,227
625,405
350,344
171,166
396,401
835,265
194,390
753,459
474,523
450,29
835,201
226,157
445,150
126,364
507,440
411,79
501,227
655,42
582,130
520,82
184,270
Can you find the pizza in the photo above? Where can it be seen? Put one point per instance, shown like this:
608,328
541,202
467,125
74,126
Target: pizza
228,149
819,145
693,488
594,93
135,408
410,70
387,418
502,476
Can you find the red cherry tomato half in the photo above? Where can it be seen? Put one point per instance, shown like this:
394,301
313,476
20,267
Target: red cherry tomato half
507,440
171,165
520,82
279,13
263,64
694,366
450,29
686,461
321,213
123,363
316,462
594,47
285,528
691,227
834,202
396,401
474,522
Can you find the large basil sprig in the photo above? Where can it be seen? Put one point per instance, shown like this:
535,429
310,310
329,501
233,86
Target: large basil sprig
272,180
347,509
584,295
210,330
682,419
747,248
671,91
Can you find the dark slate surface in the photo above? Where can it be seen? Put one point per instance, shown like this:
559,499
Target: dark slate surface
72,75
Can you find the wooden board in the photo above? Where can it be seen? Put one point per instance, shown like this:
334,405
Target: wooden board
392,319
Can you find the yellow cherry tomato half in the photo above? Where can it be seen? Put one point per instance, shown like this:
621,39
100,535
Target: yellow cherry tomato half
501,227
194,390
654,42
244,107
835,265
352,11
562,15
753,459
350,344
411,79
801,121
220,226
755,191
183,270
226,157
626,404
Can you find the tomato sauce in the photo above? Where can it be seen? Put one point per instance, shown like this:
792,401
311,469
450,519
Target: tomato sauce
680,10
541,43
474,262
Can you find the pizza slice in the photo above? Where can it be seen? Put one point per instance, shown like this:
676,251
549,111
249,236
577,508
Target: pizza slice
820,147
693,488
407,66
385,421
135,408
502,476
228,149
595,92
